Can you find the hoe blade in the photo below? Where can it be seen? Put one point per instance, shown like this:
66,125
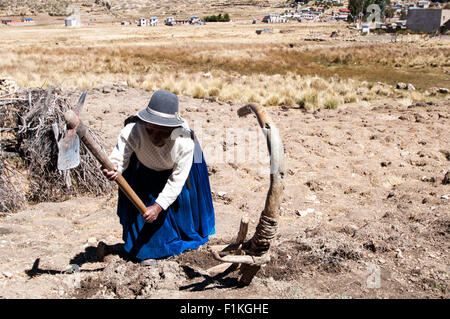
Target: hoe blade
69,151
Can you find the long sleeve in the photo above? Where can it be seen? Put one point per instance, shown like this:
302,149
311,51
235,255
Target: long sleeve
126,144
183,163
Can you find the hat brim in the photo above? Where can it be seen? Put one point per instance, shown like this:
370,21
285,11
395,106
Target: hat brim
158,120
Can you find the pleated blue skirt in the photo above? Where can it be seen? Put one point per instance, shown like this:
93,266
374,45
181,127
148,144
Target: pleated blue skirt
186,224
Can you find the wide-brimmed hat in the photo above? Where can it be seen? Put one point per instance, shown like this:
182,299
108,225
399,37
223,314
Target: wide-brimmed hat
162,110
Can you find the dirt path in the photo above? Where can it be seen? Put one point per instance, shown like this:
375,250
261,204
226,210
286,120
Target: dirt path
365,212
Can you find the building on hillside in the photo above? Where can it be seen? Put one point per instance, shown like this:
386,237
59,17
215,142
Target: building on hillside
194,20
341,17
71,22
23,21
275,18
423,4
309,17
170,21
427,20
153,21
142,22
365,28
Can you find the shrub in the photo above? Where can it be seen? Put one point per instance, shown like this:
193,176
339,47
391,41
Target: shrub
213,91
198,92
331,102
309,99
272,100
218,18
350,98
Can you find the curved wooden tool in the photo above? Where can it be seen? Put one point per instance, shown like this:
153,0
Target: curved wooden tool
74,123
252,254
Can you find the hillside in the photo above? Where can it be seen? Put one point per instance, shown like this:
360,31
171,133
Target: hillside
140,7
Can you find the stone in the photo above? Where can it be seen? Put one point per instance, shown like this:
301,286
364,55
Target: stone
305,212
410,87
401,86
404,153
446,179
8,86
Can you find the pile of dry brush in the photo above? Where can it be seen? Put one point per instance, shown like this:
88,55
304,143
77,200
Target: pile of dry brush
29,123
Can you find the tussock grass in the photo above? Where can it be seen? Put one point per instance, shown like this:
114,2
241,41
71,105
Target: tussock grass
244,67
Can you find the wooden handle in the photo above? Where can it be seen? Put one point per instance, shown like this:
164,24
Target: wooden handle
73,121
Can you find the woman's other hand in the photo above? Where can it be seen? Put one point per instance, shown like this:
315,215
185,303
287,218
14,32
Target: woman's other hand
111,175
152,213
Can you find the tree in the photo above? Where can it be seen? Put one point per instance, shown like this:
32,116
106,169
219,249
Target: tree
218,18
403,15
389,12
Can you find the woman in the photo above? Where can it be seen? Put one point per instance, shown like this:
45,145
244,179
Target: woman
162,161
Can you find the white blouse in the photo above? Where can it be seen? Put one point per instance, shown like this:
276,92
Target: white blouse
176,154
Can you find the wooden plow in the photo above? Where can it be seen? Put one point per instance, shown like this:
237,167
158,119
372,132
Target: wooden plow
249,256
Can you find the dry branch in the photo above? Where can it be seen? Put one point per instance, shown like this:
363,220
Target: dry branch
31,119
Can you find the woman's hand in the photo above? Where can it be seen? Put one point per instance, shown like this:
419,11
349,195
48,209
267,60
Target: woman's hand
111,175
152,213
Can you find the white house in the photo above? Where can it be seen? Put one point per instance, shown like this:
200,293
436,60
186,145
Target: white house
309,17
153,21
170,21
283,19
271,18
142,22
71,22
194,20
365,29
423,4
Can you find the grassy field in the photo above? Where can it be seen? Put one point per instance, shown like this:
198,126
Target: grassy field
229,61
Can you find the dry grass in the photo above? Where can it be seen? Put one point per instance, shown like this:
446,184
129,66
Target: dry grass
274,69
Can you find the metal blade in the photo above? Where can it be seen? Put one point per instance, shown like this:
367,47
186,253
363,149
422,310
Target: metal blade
69,151
80,103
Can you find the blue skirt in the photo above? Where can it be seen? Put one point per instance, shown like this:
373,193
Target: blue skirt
186,224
